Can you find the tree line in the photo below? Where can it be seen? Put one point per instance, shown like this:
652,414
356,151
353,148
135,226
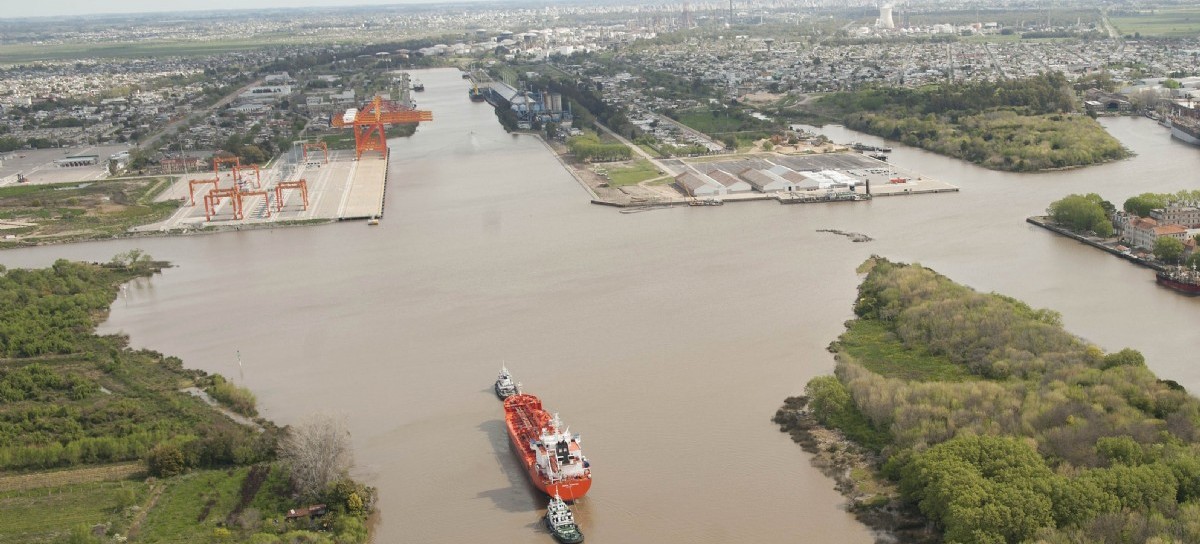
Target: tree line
1016,125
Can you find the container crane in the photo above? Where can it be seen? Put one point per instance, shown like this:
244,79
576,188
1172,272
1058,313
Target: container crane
368,123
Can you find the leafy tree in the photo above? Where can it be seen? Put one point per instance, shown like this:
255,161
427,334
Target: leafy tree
165,460
1125,357
1084,213
1141,205
1078,501
1168,249
981,489
1122,450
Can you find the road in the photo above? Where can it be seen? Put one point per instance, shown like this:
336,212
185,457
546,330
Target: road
1111,30
636,149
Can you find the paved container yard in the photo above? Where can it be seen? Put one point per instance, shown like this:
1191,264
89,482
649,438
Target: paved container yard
343,188
39,166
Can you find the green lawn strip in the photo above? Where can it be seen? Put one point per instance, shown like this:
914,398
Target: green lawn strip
46,514
341,141
872,344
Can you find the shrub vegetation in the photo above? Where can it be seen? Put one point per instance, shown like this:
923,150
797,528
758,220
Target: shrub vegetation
589,148
1049,439
70,398
1017,125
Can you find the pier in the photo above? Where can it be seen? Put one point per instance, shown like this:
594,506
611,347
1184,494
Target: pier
1098,243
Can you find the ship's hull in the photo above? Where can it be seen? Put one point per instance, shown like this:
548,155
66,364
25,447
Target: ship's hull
1182,287
524,417
1181,134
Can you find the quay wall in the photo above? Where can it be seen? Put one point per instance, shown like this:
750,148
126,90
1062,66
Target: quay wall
1044,222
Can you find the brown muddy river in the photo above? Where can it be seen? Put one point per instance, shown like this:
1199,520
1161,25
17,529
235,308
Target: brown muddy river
666,338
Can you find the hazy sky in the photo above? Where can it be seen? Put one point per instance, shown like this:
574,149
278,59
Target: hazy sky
18,8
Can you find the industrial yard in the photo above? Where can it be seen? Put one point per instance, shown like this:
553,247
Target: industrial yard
66,195
341,188
788,179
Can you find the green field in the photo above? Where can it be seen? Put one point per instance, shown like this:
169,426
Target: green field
192,505
191,508
45,515
1173,22
641,170
720,122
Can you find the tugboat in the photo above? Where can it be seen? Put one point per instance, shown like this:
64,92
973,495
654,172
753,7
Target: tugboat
561,522
418,86
476,94
1180,279
504,384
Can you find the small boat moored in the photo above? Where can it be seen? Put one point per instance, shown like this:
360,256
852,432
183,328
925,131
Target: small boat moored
373,221
505,387
561,522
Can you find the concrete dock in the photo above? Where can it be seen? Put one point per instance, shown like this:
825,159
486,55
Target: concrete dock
345,188
883,179
363,198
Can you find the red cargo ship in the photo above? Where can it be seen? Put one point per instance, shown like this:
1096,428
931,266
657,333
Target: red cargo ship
551,454
1180,279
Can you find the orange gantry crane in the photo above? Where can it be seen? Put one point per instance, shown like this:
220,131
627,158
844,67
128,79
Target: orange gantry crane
235,194
368,123
302,185
212,201
316,145
237,175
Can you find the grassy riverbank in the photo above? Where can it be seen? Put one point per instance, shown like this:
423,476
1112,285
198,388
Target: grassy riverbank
1014,125
995,424
50,213
84,419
